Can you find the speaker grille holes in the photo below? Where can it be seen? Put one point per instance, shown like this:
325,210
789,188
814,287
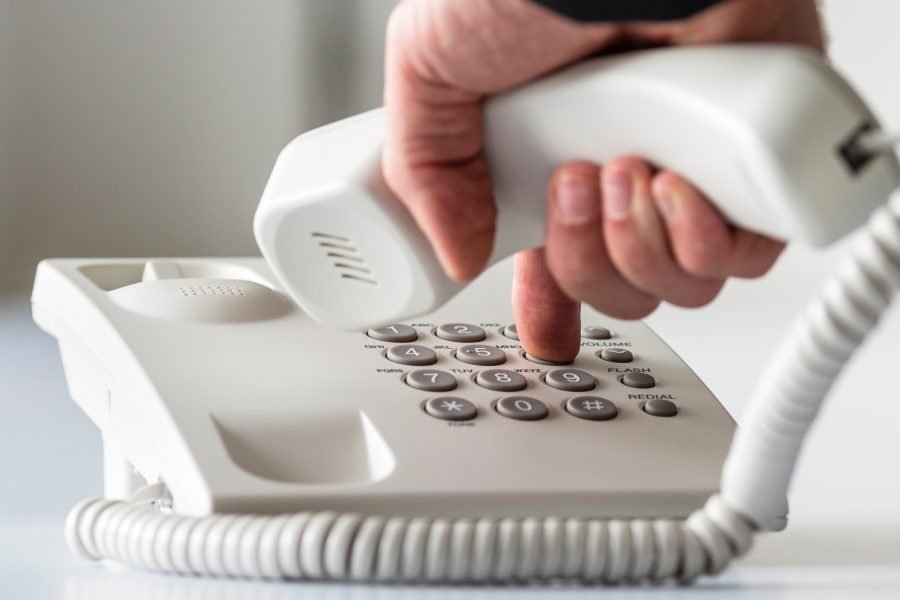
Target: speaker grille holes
211,290
345,257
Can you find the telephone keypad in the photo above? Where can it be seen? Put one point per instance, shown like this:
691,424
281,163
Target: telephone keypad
521,408
460,332
570,380
409,354
481,355
501,380
431,380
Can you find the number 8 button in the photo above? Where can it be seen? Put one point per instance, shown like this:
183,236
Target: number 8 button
501,380
570,380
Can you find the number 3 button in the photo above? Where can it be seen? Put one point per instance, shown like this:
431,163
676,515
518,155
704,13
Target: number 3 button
410,354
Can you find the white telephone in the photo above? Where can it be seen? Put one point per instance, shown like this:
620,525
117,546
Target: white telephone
430,447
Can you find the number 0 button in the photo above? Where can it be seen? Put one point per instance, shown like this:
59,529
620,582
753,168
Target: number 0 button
431,380
570,380
501,380
483,356
460,332
408,354
522,408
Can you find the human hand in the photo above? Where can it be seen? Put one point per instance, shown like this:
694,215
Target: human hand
622,237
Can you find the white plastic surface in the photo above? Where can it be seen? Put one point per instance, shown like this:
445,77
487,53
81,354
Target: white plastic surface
276,413
758,128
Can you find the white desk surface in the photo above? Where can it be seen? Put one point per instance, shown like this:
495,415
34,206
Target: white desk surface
844,537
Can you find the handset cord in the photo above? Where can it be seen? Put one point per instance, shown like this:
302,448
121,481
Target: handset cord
347,546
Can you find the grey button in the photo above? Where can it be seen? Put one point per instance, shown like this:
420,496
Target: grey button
638,380
571,380
660,408
511,332
460,332
481,355
394,333
451,409
431,380
521,408
501,380
541,361
617,355
592,408
409,354
594,332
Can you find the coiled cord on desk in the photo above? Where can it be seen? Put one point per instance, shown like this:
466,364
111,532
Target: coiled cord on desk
757,473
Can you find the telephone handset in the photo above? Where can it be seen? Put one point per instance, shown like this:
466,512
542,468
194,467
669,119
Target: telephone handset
431,448
769,133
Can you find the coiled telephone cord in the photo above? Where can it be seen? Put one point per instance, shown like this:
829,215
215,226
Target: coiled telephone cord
755,480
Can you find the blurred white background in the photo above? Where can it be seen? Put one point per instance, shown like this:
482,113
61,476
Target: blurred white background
134,128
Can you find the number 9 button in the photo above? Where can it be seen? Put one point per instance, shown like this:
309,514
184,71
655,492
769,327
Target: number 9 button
570,380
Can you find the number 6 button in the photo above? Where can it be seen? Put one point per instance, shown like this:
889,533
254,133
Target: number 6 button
483,356
410,354
570,380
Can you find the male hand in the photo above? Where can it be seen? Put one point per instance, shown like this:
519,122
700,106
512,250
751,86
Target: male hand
623,236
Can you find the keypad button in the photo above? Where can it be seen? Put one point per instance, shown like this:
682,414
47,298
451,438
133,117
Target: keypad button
594,332
511,332
660,408
394,333
460,332
409,354
451,409
501,380
483,356
522,408
431,380
638,380
570,380
616,355
592,408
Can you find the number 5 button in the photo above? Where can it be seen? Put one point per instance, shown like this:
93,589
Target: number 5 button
483,356
409,354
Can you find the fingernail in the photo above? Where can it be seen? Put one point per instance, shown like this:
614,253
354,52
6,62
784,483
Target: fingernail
577,199
666,206
617,195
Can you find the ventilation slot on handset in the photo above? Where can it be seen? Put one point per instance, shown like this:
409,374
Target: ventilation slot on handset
345,257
